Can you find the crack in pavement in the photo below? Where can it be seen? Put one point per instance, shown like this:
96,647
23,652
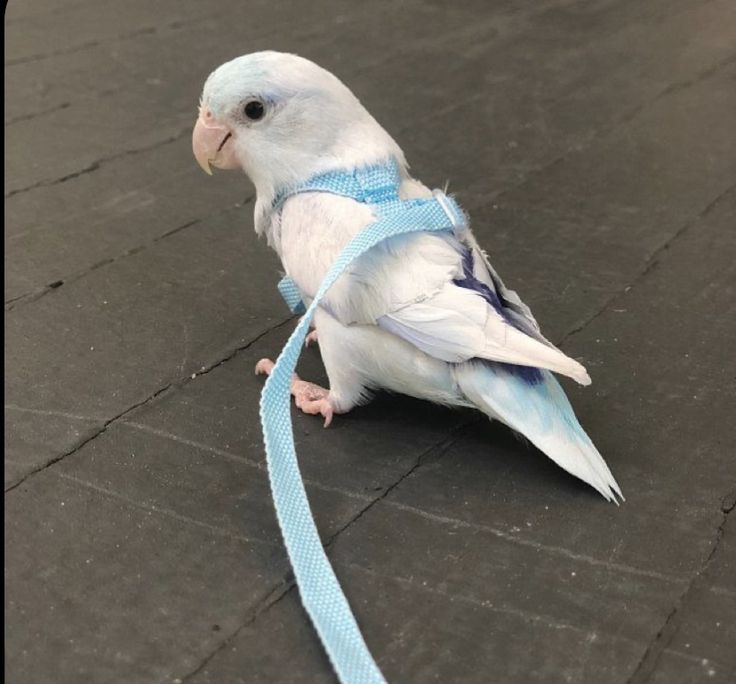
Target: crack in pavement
85,440
123,37
35,115
677,86
174,384
35,295
134,33
651,262
606,129
272,597
439,448
288,583
56,181
93,166
54,53
647,665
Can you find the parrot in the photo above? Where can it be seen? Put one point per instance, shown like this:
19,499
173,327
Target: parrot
422,314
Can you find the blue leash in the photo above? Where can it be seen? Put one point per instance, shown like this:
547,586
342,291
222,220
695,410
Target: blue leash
319,588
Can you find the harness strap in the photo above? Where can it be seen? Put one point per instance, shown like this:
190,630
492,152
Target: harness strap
318,586
369,185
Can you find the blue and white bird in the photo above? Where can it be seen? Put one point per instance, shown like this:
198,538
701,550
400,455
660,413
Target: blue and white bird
421,314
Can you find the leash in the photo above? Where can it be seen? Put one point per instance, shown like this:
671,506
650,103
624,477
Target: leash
319,588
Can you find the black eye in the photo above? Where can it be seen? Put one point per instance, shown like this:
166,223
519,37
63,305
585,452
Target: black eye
254,110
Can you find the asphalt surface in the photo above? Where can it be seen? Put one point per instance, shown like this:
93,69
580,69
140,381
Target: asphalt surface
594,146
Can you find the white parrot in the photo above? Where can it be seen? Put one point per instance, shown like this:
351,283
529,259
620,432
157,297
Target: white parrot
421,314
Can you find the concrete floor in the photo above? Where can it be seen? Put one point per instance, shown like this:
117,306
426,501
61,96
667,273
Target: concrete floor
593,144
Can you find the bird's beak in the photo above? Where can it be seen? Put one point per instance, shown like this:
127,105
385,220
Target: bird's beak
211,143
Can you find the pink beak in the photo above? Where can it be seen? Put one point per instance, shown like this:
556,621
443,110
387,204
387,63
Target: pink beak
211,143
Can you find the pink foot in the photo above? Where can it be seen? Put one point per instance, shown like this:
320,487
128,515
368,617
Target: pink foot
311,338
310,398
264,367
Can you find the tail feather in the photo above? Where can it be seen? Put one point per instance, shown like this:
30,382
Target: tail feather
537,407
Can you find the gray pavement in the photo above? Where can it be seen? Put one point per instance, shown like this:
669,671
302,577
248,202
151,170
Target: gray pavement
593,144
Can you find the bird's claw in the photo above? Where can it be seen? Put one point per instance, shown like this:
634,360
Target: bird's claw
313,399
264,367
311,338
309,398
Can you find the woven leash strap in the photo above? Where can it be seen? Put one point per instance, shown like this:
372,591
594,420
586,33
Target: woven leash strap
318,586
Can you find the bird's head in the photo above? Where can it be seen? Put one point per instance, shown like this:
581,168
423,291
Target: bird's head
281,119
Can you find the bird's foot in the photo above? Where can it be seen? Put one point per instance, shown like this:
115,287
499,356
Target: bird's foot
312,399
309,398
311,338
264,367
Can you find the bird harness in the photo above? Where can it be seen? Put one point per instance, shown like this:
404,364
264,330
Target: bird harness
378,187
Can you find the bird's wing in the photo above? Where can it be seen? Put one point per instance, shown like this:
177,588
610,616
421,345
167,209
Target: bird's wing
467,319
515,309
434,290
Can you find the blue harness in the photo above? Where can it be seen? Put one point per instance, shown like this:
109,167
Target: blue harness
323,599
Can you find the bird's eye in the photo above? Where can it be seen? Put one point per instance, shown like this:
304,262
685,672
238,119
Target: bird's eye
254,110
